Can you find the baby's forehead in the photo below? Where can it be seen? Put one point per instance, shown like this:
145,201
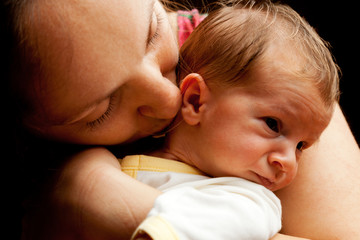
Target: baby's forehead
287,82
297,109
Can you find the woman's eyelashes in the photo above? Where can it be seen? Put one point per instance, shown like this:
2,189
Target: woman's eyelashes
97,122
156,35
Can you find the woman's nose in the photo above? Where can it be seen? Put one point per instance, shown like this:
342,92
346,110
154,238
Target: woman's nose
162,100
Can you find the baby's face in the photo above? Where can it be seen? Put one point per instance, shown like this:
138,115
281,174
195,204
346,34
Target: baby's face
260,138
260,133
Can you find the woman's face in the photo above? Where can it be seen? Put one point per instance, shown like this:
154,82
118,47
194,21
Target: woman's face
109,71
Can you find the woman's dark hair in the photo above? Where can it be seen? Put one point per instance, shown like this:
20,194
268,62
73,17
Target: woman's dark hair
13,169
30,161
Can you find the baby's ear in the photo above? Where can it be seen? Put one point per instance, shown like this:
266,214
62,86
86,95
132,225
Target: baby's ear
195,93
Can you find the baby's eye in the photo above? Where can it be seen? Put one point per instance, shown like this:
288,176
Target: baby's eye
300,146
273,124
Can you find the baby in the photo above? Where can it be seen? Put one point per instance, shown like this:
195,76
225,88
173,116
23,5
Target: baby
259,86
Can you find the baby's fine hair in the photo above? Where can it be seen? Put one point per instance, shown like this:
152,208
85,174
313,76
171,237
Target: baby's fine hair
231,41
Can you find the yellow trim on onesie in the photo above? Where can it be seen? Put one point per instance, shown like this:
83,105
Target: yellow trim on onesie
134,163
157,228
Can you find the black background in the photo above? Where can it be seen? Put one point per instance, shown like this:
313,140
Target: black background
335,22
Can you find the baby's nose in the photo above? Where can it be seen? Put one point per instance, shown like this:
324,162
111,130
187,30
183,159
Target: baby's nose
285,162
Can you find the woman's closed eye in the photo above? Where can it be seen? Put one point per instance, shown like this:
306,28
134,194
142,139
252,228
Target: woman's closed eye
156,26
98,121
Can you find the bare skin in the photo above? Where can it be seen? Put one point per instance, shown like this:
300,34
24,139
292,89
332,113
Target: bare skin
328,174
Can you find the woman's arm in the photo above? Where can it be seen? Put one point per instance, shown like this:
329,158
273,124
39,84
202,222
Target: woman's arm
92,199
323,202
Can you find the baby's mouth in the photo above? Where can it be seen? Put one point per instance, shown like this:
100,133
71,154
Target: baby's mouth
265,182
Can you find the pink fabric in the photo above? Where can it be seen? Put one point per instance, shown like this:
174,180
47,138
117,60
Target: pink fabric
187,22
